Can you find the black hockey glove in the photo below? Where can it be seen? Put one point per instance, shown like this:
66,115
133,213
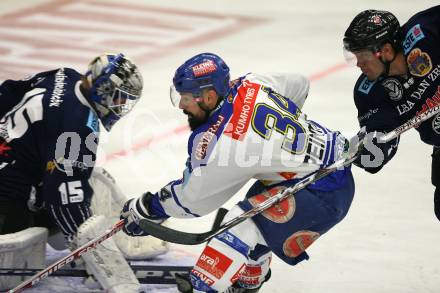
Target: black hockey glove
374,154
133,211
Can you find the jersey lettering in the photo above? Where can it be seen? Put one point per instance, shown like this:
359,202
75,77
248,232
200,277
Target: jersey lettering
266,119
17,121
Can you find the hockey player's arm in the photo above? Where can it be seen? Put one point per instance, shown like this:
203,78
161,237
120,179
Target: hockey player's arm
66,189
376,120
293,86
374,154
202,190
11,92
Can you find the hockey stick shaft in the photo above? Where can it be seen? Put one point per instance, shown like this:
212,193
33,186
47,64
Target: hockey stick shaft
68,258
409,124
175,236
145,274
180,237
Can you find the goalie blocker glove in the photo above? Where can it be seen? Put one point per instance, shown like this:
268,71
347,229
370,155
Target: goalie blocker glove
136,209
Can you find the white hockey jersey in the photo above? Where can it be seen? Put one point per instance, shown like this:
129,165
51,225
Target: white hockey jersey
257,132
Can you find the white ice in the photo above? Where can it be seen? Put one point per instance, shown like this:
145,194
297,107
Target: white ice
390,240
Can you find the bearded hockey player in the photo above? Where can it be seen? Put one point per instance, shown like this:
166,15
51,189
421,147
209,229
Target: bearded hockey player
250,128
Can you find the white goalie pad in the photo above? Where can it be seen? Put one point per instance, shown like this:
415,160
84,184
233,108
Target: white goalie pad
22,250
106,262
108,200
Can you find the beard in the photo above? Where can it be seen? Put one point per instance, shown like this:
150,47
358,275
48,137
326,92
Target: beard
194,122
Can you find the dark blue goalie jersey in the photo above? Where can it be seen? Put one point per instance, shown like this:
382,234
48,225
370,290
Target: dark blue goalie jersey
386,103
48,141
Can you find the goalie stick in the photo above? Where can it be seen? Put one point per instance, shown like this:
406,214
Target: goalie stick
68,258
180,237
146,274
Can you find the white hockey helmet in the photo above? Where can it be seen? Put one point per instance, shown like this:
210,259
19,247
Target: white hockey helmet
116,86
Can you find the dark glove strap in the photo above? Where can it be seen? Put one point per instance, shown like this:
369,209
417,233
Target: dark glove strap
146,199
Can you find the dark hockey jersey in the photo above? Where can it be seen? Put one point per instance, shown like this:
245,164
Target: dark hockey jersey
386,103
48,141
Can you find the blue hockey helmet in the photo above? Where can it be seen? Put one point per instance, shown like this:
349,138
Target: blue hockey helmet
116,86
200,72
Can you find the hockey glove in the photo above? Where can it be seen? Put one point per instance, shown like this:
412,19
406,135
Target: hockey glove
355,145
133,211
375,154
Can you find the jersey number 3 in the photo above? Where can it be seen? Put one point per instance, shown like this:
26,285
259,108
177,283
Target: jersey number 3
266,119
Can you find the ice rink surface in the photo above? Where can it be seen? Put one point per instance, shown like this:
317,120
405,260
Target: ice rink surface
390,240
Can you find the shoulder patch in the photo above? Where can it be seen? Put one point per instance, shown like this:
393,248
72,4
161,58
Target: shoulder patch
414,35
394,88
419,62
366,86
93,122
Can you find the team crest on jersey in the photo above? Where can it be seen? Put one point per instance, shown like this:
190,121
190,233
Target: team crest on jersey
414,35
394,88
279,213
419,63
436,124
298,242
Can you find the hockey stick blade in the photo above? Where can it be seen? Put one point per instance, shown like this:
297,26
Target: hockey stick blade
174,236
185,238
413,122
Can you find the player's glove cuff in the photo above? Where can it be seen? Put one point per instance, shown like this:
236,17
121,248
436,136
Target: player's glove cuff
133,211
143,204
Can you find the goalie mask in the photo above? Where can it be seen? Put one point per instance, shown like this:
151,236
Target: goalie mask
116,86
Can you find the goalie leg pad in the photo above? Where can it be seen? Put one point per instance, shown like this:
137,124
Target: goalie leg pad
106,261
108,200
24,249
